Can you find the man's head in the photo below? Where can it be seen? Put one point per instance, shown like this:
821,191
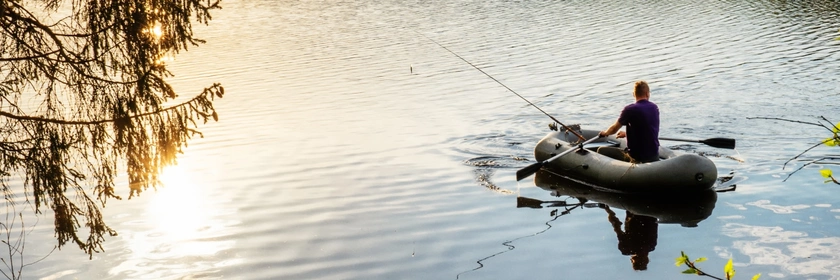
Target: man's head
641,90
640,261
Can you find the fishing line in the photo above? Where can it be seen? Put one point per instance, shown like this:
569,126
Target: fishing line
509,243
500,83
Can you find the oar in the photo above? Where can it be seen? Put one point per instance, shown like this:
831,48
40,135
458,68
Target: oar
527,202
533,168
725,143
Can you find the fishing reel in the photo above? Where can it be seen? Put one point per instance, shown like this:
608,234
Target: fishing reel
553,127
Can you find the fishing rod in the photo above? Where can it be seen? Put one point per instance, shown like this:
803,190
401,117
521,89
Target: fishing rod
500,83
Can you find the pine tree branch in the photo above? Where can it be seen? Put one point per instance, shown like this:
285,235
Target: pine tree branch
215,89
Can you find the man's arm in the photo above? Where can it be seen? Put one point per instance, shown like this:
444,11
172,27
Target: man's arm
612,130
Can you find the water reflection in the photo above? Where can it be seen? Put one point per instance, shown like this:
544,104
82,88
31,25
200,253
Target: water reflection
794,252
784,249
637,234
687,210
180,207
183,229
637,239
643,213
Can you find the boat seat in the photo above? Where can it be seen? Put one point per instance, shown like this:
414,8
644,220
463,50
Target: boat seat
596,145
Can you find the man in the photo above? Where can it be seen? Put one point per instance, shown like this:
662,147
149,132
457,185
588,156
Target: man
642,121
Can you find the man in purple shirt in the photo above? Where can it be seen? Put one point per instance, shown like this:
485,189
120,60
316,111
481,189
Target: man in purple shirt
642,121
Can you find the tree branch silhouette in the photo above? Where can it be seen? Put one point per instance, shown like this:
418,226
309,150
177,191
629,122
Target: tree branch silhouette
84,98
832,141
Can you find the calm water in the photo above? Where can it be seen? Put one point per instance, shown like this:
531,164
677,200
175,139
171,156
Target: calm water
352,147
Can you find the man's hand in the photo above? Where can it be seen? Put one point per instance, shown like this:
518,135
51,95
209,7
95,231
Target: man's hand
621,134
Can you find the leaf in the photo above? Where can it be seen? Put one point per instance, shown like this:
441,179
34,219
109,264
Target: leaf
701,259
756,276
728,270
215,116
689,271
831,142
680,260
826,173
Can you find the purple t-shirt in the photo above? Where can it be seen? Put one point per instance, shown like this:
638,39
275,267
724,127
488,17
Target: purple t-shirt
642,121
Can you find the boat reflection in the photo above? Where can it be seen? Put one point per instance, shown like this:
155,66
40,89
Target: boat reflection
643,213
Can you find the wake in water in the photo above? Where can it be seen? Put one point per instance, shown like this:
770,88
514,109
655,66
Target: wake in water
486,167
488,153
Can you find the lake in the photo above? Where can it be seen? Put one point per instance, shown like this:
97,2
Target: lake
352,146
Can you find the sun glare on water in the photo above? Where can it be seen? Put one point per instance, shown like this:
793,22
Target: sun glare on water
181,224
180,207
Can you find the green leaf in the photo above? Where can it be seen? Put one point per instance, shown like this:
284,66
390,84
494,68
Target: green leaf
728,270
680,260
756,276
826,173
701,259
683,258
690,271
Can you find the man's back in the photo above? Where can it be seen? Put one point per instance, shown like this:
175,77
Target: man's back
642,121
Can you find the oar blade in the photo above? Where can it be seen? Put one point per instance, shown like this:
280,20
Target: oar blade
724,143
528,171
525,202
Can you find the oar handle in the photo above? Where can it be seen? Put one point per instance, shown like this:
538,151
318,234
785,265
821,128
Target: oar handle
726,143
677,139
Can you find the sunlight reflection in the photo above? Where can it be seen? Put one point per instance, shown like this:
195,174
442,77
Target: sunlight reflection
179,207
182,232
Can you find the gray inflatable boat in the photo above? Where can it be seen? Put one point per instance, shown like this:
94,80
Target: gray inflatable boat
672,173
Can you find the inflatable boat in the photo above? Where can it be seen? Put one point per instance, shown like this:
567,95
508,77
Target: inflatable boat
591,165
